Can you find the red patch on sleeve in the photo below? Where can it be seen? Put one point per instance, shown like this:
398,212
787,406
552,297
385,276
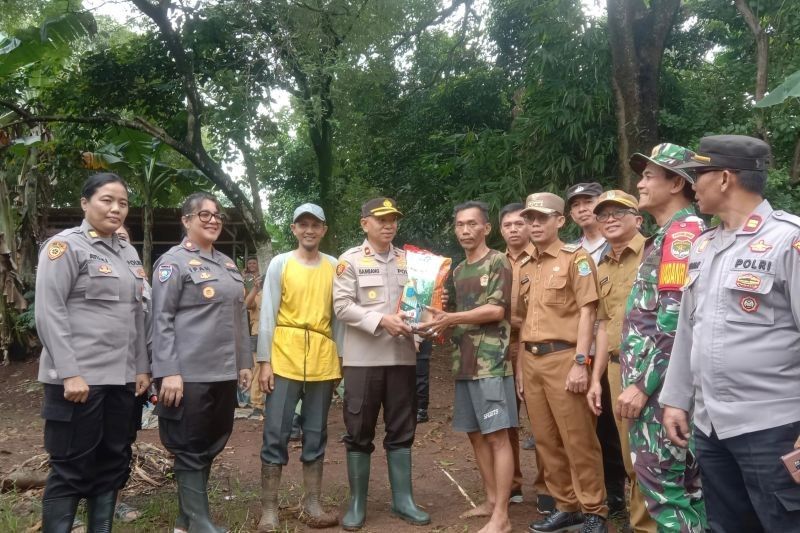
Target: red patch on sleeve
675,254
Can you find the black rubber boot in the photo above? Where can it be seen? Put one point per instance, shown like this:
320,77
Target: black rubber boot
358,476
194,498
403,505
100,512
58,514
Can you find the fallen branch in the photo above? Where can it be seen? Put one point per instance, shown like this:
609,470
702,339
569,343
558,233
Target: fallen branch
460,489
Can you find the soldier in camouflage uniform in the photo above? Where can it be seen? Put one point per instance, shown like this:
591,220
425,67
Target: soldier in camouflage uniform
485,403
668,476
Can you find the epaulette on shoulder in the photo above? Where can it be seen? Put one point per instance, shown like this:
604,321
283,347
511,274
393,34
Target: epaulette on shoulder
786,217
353,250
572,247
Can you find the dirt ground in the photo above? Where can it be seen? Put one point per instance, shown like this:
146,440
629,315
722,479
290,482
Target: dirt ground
236,472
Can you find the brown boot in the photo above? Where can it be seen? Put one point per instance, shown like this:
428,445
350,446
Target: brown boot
311,512
270,481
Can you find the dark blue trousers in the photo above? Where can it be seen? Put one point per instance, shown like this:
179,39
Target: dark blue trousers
745,485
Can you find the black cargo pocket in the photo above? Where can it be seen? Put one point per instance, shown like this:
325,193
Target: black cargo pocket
58,429
170,413
789,498
354,396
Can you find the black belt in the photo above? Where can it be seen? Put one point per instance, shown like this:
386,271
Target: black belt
613,357
544,348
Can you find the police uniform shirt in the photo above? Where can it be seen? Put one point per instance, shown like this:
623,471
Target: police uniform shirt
737,348
554,285
200,326
368,286
89,312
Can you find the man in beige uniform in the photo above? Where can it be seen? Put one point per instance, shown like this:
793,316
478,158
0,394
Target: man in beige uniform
558,290
618,215
379,362
516,233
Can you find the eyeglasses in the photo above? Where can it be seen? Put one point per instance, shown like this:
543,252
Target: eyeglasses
616,214
206,216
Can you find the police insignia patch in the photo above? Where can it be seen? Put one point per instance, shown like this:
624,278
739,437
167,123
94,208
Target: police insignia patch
205,275
208,292
749,304
372,295
141,273
749,282
164,273
759,246
104,269
196,262
56,249
340,268
796,245
92,234
752,224
702,246
583,267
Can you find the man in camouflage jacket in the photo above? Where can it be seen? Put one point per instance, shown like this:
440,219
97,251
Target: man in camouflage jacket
668,475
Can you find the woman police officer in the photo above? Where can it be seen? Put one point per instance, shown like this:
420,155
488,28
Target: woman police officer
201,345
90,320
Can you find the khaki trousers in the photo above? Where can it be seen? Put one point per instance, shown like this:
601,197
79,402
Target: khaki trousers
640,518
564,429
256,394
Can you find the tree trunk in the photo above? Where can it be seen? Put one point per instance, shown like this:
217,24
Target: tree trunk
637,36
762,60
794,172
147,238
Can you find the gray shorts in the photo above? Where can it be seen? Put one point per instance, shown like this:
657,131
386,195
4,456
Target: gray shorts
486,405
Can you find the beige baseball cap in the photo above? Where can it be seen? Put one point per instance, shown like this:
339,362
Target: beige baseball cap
544,202
617,197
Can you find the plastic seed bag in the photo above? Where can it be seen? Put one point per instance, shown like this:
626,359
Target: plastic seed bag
427,273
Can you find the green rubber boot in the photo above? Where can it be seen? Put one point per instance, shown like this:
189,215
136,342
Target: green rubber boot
58,514
194,499
270,482
358,476
100,512
403,505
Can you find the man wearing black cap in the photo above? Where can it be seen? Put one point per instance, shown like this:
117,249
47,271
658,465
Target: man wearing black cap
736,358
379,362
581,199
667,476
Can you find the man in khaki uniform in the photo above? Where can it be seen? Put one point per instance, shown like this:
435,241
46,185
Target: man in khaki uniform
379,362
558,289
516,233
618,215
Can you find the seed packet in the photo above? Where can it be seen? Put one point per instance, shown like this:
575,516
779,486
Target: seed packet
427,273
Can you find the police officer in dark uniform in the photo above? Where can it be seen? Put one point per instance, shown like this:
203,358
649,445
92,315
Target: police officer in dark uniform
90,320
201,345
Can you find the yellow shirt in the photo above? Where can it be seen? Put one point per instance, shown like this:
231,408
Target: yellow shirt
303,347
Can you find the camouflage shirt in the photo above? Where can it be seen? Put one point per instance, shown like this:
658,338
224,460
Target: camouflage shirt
482,350
651,313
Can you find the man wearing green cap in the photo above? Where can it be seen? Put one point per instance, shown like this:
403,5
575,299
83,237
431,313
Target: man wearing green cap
667,475
379,362
617,213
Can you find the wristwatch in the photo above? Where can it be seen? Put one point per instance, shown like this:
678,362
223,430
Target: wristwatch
581,359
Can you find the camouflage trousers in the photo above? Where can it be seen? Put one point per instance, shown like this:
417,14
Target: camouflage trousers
669,478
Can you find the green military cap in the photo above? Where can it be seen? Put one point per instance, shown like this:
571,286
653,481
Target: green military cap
378,207
736,152
668,156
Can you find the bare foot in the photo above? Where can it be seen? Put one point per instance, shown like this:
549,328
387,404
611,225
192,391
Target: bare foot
484,509
496,525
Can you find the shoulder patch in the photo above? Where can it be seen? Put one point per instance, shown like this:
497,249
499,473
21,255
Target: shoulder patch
165,272
340,268
572,247
787,217
584,269
675,252
56,249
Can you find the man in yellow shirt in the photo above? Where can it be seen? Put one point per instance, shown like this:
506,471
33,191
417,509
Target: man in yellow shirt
299,360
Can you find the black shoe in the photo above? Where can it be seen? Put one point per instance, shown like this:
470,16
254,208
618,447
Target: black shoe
529,443
593,523
422,416
616,505
557,521
545,504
